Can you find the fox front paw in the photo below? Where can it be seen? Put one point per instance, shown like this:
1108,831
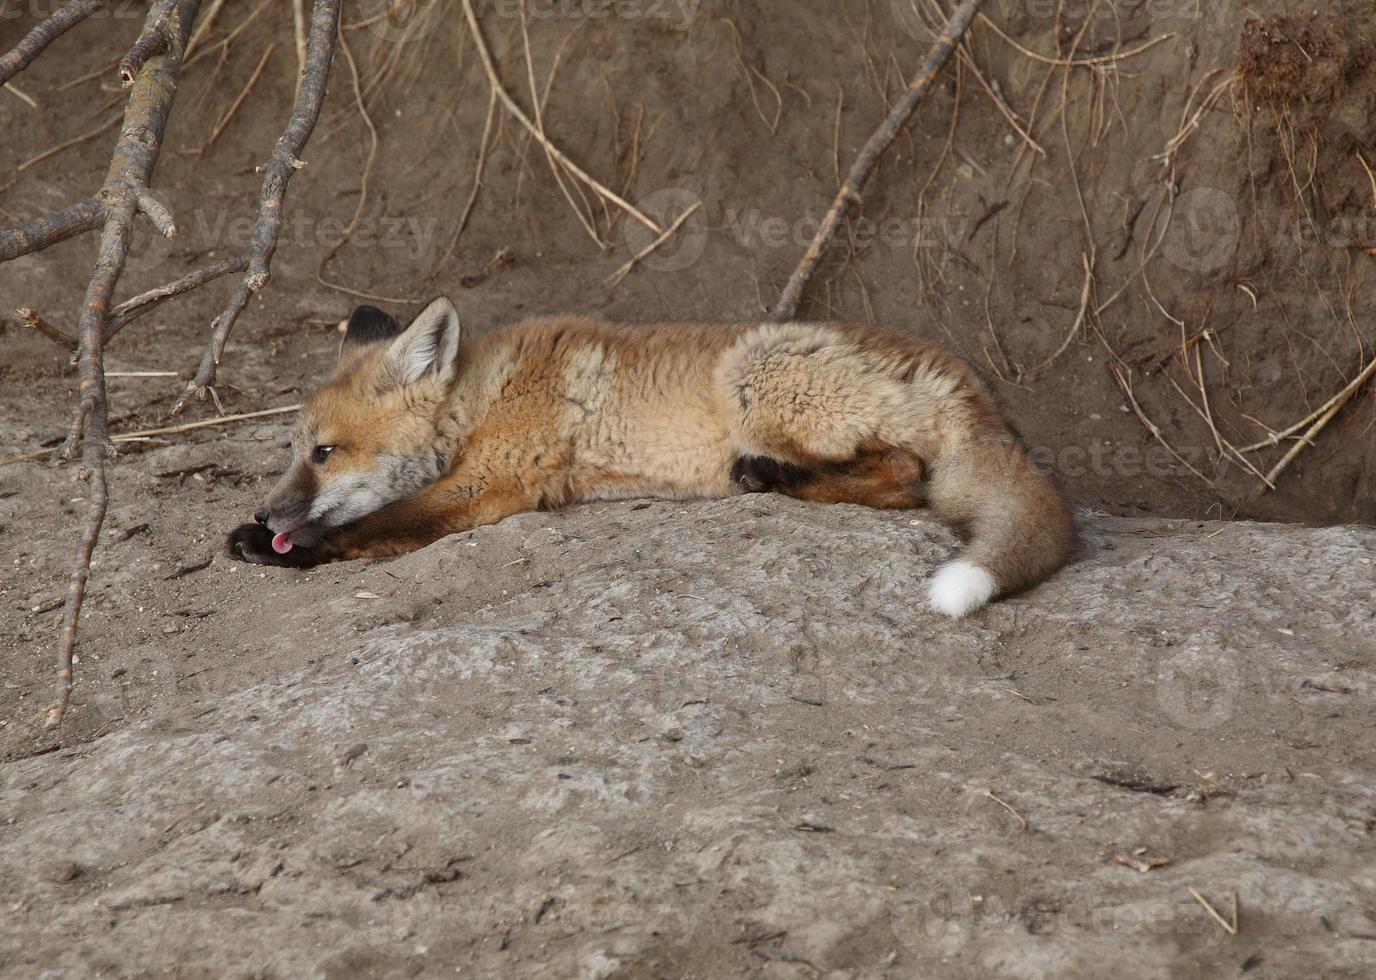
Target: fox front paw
253,543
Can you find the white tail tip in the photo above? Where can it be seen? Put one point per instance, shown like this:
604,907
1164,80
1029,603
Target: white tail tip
959,588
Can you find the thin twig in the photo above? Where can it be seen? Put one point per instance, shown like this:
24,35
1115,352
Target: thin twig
135,307
1107,59
494,79
1305,440
1085,295
203,28
20,94
234,106
45,33
276,173
989,795
165,431
1001,103
1121,377
1340,399
1229,927
228,39
298,21
100,72
588,221
56,334
477,182
621,273
373,142
68,144
864,165
1223,444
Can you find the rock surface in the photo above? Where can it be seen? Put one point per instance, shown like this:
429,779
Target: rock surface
699,739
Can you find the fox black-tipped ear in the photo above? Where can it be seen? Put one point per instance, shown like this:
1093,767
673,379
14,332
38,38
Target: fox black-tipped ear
429,344
368,325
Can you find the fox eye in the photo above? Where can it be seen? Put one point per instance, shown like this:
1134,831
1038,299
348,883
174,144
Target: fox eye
320,454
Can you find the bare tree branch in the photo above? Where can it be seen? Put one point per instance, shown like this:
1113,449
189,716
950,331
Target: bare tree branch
56,334
62,20
131,309
136,153
38,234
276,173
869,155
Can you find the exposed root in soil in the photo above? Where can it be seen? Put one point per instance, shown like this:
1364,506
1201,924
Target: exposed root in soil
849,195
537,131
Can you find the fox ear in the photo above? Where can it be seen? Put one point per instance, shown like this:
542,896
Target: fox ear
367,325
429,345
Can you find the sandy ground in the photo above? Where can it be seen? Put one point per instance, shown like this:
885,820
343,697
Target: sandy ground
701,739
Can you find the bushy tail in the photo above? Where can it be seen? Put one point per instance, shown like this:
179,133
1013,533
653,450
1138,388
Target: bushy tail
1018,523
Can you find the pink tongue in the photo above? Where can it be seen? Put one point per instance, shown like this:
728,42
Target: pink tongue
281,543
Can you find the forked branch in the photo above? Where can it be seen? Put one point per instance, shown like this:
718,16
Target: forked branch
276,173
126,184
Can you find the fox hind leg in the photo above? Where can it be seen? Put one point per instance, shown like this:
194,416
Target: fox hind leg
878,476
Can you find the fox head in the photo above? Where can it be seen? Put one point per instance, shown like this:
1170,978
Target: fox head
371,434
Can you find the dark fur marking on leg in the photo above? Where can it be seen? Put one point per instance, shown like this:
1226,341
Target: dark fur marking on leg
760,474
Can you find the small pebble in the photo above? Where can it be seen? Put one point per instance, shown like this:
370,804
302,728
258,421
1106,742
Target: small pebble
62,871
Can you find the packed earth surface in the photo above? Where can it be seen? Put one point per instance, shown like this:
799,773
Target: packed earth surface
653,738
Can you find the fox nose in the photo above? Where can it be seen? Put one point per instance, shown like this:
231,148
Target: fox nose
261,516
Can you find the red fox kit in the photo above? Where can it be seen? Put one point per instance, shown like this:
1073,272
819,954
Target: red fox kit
425,431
